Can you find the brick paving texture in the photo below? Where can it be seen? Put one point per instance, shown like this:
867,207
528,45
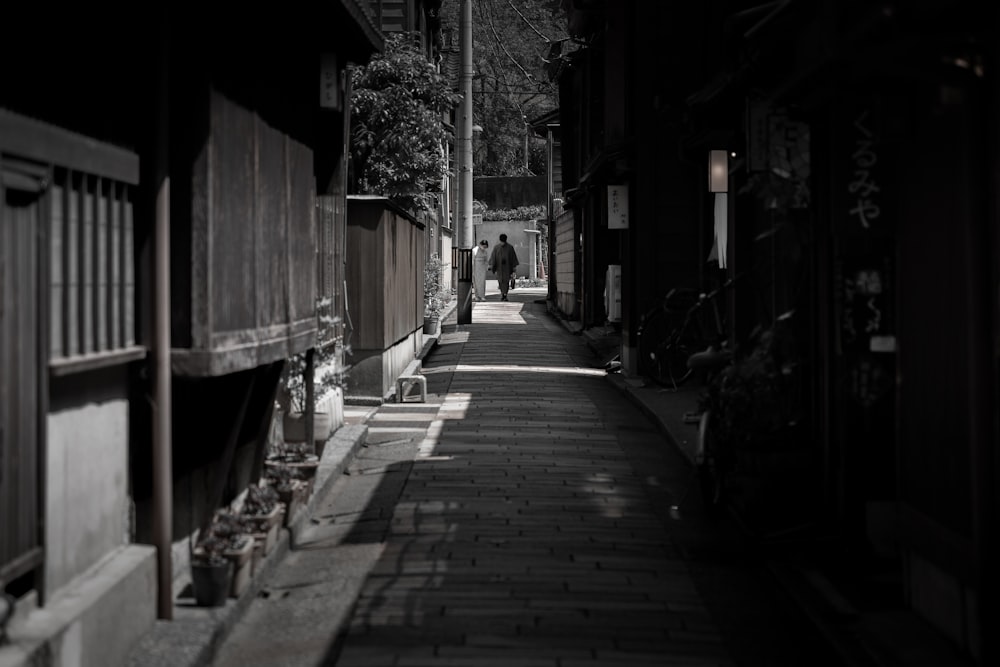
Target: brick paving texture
520,534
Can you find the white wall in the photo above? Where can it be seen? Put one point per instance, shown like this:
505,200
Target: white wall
86,488
523,242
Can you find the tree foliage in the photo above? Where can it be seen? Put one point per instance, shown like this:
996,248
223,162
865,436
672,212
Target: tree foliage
533,212
511,43
398,102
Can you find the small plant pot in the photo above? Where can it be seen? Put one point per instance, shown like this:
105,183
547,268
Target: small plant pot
262,522
242,560
211,583
266,541
258,556
431,325
295,498
303,470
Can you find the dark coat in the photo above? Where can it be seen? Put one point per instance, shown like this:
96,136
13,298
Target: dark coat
503,260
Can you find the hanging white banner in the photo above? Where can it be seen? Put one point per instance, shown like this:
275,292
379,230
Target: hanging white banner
721,227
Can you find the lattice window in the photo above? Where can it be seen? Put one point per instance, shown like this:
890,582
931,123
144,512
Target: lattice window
91,268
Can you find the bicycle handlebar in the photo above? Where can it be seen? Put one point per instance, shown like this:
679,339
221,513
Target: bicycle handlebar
699,300
703,297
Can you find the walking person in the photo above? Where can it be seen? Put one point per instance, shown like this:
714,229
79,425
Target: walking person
480,260
503,261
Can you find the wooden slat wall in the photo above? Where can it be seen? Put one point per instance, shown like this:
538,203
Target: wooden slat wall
386,256
253,246
565,258
365,274
231,235
403,261
272,229
557,168
331,220
302,231
339,306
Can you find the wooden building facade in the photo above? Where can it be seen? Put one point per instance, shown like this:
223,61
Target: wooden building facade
861,202
231,129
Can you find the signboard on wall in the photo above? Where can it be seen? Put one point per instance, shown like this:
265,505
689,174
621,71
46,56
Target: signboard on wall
617,207
329,82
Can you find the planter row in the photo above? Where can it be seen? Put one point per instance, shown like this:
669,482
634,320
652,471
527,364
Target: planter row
213,584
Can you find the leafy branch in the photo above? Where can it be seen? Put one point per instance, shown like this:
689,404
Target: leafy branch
519,213
397,135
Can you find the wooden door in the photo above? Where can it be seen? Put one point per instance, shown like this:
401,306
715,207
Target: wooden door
21,200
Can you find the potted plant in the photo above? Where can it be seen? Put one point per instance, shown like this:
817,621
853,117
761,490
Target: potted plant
211,572
295,456
326,368
435,296
262,515
238,545
292,400
291,489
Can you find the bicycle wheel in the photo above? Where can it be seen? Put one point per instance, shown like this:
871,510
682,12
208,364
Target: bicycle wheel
711,468
654,339
674,358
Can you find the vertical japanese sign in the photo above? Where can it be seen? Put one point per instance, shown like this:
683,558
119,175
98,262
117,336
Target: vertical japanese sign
864,192
617,207
329,82
865,268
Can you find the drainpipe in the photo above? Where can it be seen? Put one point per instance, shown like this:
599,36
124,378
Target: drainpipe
163,410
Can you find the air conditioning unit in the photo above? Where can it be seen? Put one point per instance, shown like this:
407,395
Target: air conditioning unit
613,293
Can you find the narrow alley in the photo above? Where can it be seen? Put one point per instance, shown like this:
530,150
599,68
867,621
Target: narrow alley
519,517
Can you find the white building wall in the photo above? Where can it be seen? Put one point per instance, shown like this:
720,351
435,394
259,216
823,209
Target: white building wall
86,488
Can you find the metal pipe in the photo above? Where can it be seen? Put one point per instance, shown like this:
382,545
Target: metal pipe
464,149
163,410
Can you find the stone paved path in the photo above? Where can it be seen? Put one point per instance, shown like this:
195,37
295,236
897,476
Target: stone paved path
521,517
522,535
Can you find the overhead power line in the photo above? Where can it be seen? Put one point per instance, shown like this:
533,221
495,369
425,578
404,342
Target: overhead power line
523,18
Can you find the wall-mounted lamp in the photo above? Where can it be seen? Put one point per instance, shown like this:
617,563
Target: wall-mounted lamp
718,171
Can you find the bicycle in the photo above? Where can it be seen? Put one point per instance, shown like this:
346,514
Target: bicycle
672,331
762,403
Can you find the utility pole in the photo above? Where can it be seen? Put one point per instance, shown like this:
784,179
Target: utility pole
464,164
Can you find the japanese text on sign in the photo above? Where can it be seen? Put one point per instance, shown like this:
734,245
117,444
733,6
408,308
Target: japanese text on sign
617,207
864,289
864,188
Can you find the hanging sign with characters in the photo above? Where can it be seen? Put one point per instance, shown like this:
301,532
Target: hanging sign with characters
865,268
617,207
